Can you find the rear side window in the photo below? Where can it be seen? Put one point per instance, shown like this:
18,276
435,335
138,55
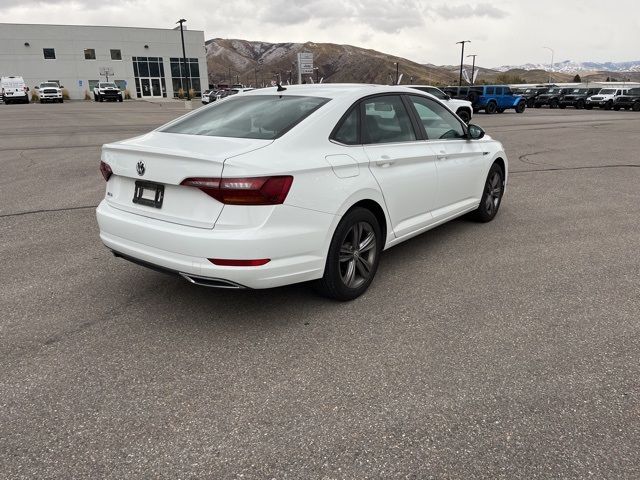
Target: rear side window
491,90
439,123
386,121
349,128
264,117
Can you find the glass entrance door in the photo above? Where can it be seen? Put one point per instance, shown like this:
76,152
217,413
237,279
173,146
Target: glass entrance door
156,89
151,87
145,86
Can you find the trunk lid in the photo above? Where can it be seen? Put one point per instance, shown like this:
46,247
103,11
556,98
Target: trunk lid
167,159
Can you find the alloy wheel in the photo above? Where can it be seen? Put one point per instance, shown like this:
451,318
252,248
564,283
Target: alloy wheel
493,190
357,254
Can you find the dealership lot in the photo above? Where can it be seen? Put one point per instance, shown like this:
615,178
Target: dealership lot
504,350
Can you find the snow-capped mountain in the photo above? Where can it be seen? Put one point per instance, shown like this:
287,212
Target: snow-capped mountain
569,66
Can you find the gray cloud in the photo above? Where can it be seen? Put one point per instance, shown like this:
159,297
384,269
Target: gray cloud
452,12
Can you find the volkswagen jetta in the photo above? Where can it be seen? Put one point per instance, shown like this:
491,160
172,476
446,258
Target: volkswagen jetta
285,185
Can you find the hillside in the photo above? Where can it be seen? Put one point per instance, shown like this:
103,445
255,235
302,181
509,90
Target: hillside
253,62
229,59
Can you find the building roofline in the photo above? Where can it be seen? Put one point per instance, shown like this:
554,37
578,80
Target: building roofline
93,26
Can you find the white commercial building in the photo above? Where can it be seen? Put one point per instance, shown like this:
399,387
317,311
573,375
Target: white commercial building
146,62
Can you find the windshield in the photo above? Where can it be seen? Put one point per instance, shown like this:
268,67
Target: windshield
49,84
264,117
607,91
108,85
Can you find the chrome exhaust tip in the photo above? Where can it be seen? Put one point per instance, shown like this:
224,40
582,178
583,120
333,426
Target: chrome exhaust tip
211,282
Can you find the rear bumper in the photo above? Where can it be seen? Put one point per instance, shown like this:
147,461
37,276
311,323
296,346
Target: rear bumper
296,240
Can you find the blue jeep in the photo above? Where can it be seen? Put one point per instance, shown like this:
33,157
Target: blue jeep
490,98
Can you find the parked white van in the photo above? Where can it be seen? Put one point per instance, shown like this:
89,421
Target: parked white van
14,90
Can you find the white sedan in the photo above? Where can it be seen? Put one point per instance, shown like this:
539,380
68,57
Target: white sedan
285,185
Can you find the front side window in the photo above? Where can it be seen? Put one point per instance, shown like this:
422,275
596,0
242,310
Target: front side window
386,120
348,131
264,117
439,123
49,53
491,90
116,55
89,54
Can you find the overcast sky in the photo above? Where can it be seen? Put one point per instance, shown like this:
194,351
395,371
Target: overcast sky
502,31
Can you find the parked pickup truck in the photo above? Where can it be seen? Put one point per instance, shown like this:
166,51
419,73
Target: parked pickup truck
463,108
605,98
50,92
577,97
107,91
630,101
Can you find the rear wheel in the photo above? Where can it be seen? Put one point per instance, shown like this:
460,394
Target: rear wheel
580,104
554,103
636,107
353,256
616,108
491,196
521,107
491,108
608,105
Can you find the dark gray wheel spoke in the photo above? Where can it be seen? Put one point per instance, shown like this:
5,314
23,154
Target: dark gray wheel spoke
346,254
357,254
368,243
350,274
364,267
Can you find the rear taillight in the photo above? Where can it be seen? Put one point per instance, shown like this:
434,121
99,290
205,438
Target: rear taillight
244,191
106,171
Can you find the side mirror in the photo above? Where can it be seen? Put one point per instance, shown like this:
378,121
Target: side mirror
475,132
447,96
37,88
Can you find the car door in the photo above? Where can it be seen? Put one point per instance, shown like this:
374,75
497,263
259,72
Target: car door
459,161
399,161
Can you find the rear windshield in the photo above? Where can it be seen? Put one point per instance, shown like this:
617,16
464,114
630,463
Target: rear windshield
257,116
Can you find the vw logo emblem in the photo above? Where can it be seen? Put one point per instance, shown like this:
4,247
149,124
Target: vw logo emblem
140,168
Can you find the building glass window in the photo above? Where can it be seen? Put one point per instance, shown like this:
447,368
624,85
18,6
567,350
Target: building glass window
89,54
122,84
149,76
178,73
116,54
49,53
92,84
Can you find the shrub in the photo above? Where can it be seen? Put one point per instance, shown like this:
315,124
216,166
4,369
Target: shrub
127,95
86,95
65,94
34,96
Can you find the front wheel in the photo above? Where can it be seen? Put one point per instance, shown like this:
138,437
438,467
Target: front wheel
521,107
579,105
353,256
464,115
608,105
616,108
491,196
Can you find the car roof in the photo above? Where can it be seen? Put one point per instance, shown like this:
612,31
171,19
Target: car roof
337,90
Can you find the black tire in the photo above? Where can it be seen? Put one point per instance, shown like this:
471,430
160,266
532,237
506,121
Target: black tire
636,107
348,272
608,105
588,107
491,108
554,103
100,98
537,105
616,108
491,195
464,115
120,99
95,97
531,103
41,101
561,106
521,107
580,104
501,110
62,100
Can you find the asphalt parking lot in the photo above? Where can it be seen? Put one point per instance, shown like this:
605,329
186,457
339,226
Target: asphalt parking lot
504,350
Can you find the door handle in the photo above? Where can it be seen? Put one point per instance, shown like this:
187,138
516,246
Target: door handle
385,162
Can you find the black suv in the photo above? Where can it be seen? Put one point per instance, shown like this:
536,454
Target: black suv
531,94
577,97
551,98
629,101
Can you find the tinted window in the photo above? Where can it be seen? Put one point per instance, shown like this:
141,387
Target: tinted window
256,116
89,54
491,90
348,132
116,55
499,90
386,121
439,123
49,53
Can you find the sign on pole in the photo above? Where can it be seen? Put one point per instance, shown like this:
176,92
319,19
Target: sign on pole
305,64
475,76
465,75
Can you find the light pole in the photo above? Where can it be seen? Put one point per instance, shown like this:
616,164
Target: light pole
552,55
473,69
184,59
397,71
462,57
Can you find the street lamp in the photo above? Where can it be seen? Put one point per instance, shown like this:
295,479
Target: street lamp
552,55
462,57
184,59
473,69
